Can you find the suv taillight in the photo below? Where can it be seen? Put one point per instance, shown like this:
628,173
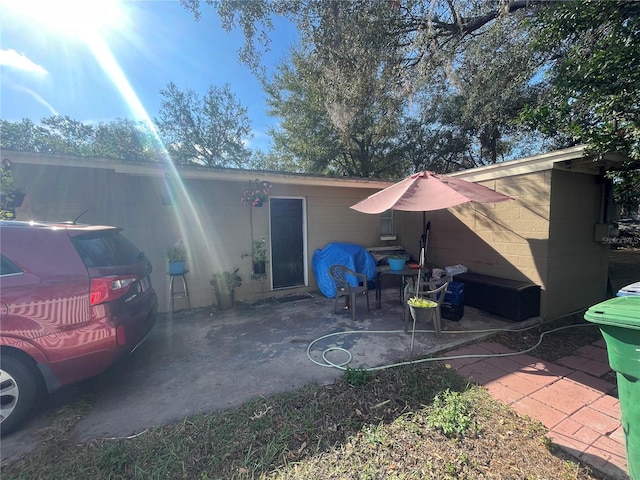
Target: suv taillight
107,289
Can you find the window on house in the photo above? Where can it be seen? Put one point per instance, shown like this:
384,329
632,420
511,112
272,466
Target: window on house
386,226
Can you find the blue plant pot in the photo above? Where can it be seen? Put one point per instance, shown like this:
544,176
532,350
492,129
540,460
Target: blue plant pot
176,268
397,263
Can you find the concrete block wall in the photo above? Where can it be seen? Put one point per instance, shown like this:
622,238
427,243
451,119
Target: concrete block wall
505,239
544,235
577,263
156,210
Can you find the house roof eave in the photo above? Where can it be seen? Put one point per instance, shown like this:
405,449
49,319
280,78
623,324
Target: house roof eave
193,172
575,159
521,166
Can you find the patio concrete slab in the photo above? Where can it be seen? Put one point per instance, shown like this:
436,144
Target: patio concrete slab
201,361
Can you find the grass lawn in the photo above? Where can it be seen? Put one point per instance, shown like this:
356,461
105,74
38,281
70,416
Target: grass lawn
414,422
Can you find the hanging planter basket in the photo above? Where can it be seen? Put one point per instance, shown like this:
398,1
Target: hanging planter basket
257,195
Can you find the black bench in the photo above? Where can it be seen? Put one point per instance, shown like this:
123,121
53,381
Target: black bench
513,299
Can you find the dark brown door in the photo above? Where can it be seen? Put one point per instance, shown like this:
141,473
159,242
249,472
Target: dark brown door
287,242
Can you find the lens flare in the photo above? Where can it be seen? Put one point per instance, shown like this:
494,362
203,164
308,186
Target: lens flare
93,23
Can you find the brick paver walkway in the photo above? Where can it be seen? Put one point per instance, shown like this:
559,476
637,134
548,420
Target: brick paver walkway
570,397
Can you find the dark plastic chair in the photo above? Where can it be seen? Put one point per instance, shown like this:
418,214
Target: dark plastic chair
340,275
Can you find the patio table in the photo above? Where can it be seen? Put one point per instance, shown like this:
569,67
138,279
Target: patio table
386,270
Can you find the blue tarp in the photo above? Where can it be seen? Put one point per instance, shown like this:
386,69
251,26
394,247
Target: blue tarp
354,257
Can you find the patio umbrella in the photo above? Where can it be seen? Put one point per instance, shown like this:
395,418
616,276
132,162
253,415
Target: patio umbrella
426,191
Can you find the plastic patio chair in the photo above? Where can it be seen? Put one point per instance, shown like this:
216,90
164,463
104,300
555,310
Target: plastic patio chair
340,275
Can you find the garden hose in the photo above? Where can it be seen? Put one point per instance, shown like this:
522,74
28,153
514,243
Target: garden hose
344,365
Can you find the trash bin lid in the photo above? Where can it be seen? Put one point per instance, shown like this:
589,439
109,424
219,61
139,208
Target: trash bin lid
619,311
633,289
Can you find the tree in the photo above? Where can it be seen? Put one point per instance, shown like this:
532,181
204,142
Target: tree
67,136
304,139
589,49
478,98
57,134
209,131
23,136
120,139
360,92
127,140
341,102
345,127
373,59
422,28
593,77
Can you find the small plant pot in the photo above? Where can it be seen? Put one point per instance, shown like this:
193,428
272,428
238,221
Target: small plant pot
422,314
397,263
225,300
176,268
259,268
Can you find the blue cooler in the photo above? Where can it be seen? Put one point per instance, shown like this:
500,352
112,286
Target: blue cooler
453,306
455,293
632,290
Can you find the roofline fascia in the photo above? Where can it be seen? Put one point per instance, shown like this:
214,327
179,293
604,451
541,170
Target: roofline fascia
536,163
192,172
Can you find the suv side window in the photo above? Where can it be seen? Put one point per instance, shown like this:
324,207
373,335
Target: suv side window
7,267
106,249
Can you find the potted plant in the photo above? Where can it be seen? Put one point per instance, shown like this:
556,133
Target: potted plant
11,194
224,284
176,257
397,261
259,256
421,308
257,194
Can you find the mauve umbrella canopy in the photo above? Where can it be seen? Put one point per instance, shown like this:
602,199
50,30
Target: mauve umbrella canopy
425,191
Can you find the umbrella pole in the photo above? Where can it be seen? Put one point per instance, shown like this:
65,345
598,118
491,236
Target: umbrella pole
417,292
424,241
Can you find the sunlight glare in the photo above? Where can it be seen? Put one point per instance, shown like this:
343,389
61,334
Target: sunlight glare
75,18
93,22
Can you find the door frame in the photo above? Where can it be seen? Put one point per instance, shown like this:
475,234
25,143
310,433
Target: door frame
305,253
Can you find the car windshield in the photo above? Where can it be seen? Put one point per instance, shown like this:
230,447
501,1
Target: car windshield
106,249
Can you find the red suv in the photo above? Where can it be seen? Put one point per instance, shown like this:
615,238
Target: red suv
73,298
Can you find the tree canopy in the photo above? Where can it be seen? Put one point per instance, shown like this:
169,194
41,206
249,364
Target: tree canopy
593,76
477,52
353,95
121,139
380,88
338,116
208,131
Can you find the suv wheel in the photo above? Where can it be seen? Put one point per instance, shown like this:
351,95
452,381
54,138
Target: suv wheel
18,391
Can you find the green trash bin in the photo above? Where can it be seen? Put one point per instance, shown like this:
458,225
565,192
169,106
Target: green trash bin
619,322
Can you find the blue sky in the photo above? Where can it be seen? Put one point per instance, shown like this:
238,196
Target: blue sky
96,65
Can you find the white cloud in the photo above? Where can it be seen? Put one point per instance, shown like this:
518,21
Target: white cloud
13,59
